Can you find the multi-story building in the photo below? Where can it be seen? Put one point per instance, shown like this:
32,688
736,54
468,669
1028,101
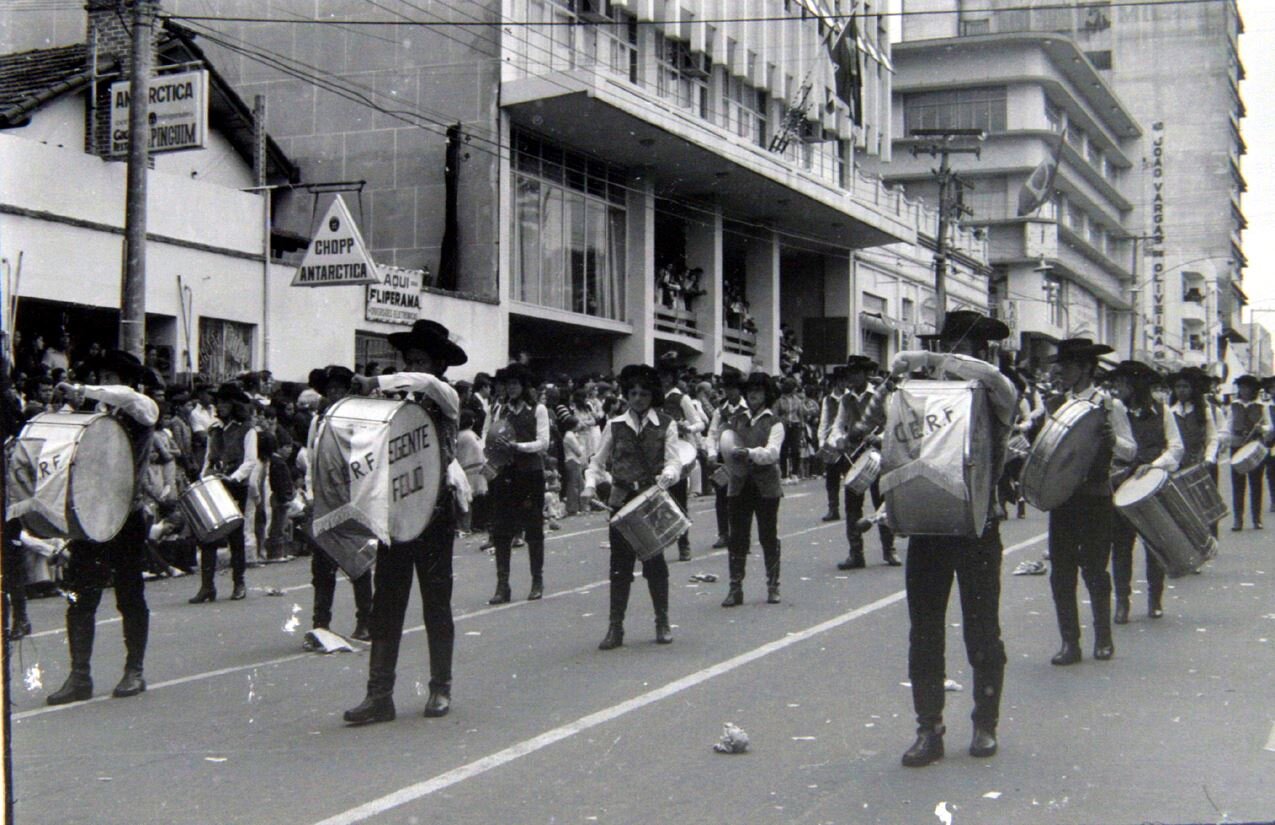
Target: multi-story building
1060,270
1175,69
587,182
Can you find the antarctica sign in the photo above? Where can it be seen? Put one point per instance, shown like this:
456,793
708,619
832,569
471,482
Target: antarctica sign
177,107
396,299
337,255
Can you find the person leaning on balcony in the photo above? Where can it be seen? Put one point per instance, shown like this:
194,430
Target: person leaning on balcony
1250,421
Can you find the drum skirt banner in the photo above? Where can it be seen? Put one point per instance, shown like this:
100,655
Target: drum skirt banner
39,473
351,493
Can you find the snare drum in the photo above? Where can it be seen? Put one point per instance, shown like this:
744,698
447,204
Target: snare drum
1163,515
863,472
1249,457
936,466
210,510
71,476
650,522
1196,483
1060,459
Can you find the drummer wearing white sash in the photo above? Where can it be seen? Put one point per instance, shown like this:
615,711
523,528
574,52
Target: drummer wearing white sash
427,351
1250,423
1080,529
1159,445
121,560
640,447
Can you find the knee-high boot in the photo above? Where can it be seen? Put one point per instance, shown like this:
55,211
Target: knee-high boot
80,629
988,681
619,604
378,705
136,633
441,633
735,596
536,554
659,600
207,576
504,549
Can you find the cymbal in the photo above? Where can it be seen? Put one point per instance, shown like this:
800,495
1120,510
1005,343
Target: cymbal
728,443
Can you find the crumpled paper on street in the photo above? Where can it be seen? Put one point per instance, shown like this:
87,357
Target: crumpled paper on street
733,740
704,577
1030,567
326,641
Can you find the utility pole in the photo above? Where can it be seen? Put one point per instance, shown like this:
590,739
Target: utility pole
133,289
946,142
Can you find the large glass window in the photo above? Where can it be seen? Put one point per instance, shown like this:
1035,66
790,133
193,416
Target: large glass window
681,80
744,109
569,230
225,348
981,108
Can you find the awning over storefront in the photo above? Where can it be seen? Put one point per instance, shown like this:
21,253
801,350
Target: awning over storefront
878,323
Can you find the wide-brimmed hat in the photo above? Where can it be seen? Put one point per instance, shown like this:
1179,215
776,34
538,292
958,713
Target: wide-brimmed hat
1194,376
966,324
230,391
731,377
860,363
1134,371
432,337
1248,381
337,373
122,363
1079,349
520,373
760,380
644,376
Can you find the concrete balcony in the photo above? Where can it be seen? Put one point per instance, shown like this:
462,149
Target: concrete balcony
1193,313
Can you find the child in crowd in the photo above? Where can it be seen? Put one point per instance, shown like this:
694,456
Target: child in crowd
575,459
282,490
470,454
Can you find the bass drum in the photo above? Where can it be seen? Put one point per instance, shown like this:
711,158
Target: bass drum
71,476
1060,458
378,472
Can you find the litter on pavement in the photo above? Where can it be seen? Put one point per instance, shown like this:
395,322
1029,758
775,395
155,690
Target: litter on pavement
733,740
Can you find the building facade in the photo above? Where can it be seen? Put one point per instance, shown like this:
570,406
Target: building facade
1175,69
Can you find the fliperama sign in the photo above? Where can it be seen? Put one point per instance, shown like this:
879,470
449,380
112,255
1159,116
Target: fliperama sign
337,256
397,298
178,113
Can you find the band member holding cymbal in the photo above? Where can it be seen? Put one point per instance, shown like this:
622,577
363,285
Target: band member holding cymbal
1080,529
974,562
732,403
640,447
427,352
755,487
120,561
834,466
1250,421
1155,434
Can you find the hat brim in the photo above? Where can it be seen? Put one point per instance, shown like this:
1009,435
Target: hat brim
449,352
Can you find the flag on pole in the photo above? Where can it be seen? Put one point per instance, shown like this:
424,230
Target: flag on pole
1040,186
847,74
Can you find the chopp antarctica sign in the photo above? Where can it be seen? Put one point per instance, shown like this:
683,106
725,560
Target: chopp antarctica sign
337,255
396,299
177,110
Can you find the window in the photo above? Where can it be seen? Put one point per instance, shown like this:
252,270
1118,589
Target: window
873,303
569,227
225,348
371,347
970,28
1054,117
982,108
744,109
907,311
1100,60
681,79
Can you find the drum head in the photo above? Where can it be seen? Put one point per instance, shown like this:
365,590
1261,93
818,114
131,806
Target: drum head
636,502
1141,488
102,479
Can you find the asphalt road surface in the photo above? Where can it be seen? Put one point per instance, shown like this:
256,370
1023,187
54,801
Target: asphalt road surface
241,726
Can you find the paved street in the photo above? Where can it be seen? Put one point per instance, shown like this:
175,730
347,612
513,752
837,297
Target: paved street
240,726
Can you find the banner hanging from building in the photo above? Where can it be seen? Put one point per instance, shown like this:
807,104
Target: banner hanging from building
337,255
177,110
396,298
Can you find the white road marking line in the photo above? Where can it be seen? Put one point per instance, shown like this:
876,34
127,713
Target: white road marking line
194,677
411,793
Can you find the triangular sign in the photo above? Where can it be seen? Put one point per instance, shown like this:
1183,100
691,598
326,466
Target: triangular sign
337,255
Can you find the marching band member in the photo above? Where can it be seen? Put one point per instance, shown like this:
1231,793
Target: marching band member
1194,416
1250,421
677,406
1080,530
1268,390
854,404
517,494
427,352
1158,444
756,491
732,403
232,454
640,447
120,561
975,563
829,409
337,383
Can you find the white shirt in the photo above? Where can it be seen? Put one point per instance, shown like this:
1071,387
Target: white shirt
768,454
1171,458
244,471
1125,449
1212,443
541,443
137,406
201,418
597,469
430,386
724,411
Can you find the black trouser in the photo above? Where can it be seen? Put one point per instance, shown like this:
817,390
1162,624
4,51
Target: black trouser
623,562
1253,481
1269,463
721,506
14,567
517,499
854,512
832,485
743,507
1080,542
1123,537
323,572
790,452
679,493
1008,487
121,562
238,561
975,563
430,555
